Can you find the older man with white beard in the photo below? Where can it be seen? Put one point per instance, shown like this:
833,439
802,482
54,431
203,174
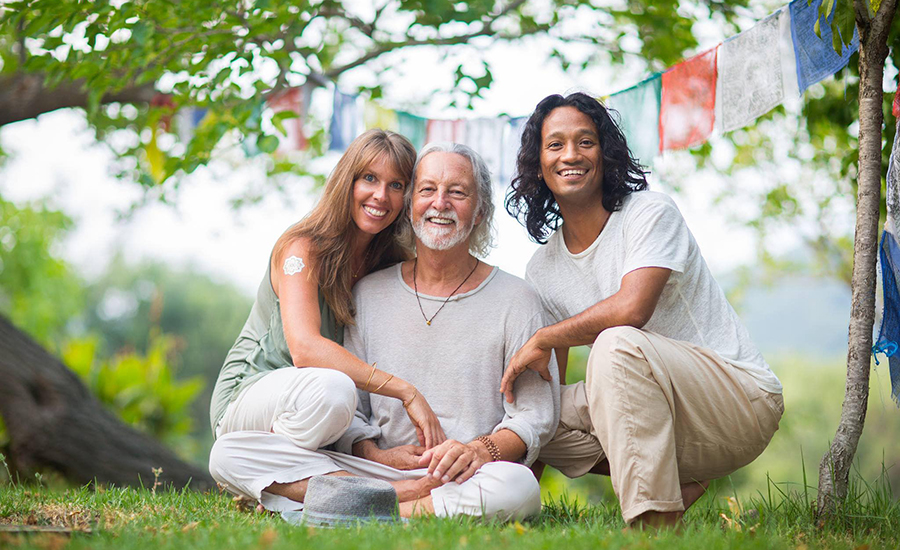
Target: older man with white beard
449,324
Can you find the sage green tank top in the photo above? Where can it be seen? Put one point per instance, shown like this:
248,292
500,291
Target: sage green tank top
261,347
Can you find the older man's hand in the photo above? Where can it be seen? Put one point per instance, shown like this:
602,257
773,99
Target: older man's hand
404,457
455,461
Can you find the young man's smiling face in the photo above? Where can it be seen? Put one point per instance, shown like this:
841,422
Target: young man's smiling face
571,158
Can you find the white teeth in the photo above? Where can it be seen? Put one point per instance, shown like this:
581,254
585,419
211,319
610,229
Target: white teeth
573,172
375,212
440,221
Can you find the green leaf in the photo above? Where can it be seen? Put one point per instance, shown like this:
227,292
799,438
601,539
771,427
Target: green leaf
267,144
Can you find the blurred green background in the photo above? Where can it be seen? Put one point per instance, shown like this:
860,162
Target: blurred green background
149,340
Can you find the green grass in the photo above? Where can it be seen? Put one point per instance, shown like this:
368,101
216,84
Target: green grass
779,516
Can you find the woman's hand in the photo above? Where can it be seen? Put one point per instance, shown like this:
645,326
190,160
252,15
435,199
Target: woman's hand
531,356
428,427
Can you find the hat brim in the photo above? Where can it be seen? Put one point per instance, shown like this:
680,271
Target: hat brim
298,517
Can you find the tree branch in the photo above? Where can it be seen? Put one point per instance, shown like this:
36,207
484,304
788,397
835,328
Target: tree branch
25,95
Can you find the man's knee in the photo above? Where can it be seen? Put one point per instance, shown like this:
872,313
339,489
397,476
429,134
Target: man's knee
614,348
519,494
614,339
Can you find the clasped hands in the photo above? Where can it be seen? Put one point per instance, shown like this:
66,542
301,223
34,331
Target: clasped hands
449,461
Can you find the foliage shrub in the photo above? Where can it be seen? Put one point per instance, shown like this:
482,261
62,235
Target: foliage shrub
140,388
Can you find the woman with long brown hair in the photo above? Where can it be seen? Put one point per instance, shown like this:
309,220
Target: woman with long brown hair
288,373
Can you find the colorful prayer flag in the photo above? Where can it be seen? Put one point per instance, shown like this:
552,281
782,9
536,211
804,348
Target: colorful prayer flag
380,117
816,58
293,100
895,106
637,113
751,75
886,335
445,130
413,127
345,121
512,140
186,120
688,100
485,136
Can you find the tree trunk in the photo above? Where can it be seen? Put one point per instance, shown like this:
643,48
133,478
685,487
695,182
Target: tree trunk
834,470
53,421
24,96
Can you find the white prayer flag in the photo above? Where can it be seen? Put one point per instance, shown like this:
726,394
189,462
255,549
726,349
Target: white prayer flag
756,69
485,136
512,140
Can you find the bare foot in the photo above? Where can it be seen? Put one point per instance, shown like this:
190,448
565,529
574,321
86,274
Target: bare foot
691,492
296,490
412,489
419,507
655,521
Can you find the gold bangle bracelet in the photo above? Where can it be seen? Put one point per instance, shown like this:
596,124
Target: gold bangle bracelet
411,399
383,384
371,374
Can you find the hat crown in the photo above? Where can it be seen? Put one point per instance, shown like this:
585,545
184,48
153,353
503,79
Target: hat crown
343,499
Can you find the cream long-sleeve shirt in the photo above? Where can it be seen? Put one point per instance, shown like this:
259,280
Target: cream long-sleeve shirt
456,362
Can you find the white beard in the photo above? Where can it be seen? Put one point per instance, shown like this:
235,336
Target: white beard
441,238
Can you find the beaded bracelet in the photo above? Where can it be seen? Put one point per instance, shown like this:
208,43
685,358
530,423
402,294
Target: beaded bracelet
491,447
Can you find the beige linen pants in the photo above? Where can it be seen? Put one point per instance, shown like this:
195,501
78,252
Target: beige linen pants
666,413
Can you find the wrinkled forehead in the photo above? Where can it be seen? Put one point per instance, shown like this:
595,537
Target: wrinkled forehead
441,168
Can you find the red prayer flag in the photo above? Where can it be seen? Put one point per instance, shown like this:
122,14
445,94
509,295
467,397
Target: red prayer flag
687,110
895,107
445,130
292,100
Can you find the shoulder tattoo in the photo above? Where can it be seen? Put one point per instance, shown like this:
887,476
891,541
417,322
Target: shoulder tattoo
293,265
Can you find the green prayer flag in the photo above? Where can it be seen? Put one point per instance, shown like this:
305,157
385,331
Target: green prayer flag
413,127
638,117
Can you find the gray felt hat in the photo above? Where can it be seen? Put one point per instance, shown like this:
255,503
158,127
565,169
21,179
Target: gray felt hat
333,501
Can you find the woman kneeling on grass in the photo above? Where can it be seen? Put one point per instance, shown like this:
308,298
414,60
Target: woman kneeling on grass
287,374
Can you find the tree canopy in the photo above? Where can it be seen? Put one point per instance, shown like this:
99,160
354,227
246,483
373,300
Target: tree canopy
230,57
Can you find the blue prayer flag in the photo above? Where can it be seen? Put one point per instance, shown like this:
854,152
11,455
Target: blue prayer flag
887,325
345,121
816,58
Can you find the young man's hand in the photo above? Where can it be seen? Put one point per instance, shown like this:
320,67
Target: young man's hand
530,356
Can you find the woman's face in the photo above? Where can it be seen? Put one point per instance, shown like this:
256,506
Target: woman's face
377,196
571,158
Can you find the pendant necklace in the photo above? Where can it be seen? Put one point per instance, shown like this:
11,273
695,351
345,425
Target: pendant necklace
416,289
363,264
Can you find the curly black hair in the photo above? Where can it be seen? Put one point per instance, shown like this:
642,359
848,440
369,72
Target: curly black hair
530,201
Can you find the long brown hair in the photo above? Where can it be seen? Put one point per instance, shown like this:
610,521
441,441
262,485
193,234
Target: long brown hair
330,225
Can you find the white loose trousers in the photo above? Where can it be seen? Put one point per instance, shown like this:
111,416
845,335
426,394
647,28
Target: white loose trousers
274,430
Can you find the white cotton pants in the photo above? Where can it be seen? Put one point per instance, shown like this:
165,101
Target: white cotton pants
273,432
311,407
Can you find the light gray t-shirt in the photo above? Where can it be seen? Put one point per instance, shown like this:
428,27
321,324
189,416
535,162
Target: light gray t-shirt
649,231
456,363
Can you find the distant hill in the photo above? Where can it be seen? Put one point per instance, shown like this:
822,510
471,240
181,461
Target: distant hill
800,315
